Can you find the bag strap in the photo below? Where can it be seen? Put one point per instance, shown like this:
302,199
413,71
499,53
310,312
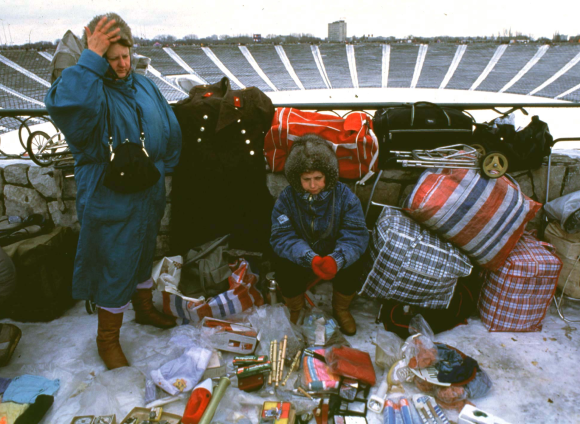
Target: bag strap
204,252
428,104
110,132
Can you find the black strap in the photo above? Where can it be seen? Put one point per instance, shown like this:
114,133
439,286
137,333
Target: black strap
428,104
110,132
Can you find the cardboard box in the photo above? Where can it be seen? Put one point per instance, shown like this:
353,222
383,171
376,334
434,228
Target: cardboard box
277,413
231,337
216,367
142,414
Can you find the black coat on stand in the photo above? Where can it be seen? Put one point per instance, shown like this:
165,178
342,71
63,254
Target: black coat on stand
219,186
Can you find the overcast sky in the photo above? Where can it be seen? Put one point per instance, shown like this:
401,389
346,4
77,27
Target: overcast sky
38,20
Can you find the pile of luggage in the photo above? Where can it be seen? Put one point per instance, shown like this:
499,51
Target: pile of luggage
459,242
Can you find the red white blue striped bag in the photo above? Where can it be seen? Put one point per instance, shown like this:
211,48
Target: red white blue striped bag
242,295
484,217
517,296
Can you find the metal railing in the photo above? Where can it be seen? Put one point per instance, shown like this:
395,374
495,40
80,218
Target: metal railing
25,116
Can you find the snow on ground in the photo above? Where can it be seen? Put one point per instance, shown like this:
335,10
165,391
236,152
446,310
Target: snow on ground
535,375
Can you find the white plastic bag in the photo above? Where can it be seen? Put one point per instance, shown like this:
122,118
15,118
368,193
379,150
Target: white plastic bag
183,373
167,271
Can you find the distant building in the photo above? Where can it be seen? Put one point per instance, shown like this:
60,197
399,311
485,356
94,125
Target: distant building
337,31
257,38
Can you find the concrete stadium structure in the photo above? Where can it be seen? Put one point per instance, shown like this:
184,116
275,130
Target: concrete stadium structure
543,71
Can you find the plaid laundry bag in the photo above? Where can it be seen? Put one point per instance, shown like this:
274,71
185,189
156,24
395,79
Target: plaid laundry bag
517,296
484,217
410,264
241,295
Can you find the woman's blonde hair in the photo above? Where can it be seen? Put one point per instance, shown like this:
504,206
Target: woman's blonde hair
125,33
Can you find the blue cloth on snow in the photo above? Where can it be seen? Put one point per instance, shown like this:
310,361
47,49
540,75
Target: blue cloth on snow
118,233
26,388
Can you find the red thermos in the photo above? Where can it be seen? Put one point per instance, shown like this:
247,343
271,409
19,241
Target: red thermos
197,403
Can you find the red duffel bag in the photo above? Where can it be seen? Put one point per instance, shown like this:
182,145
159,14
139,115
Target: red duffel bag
352,139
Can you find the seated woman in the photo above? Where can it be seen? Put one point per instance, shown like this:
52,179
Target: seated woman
318,230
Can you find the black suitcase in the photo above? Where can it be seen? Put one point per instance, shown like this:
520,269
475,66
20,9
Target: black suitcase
420,125
44,270
524,149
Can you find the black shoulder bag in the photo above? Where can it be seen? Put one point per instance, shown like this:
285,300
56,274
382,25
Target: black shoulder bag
130,168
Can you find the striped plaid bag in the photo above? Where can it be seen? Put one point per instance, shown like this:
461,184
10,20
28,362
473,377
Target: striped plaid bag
242,295
352,139
517,296
410,264
483,217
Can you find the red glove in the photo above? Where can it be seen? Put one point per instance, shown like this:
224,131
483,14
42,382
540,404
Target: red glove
325,267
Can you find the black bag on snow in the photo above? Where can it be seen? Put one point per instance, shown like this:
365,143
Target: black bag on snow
44,270
523,149
396,316
420,125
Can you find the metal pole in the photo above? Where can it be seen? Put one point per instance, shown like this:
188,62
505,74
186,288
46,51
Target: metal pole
216,397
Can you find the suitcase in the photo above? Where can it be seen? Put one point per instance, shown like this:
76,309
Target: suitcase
517,296
420,125
524,149
409,264
44,271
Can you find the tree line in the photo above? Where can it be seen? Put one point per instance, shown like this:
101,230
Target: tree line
241,39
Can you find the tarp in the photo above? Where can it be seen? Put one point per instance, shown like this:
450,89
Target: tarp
565,209
67,54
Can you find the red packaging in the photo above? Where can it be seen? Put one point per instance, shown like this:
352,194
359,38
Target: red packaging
352,363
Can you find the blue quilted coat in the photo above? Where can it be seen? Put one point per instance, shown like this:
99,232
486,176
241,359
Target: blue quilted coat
118,231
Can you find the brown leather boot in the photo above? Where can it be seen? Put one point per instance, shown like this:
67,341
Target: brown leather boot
340,304
295,305
145,312
108,339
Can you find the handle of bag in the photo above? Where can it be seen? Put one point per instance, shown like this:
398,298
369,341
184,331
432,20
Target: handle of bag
206,251
428,104
359,111
224,85
372,193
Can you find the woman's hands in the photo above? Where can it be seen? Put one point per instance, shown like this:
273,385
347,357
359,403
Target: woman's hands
100,40
325,267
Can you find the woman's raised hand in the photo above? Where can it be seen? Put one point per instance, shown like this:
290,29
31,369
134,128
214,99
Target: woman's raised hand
100,40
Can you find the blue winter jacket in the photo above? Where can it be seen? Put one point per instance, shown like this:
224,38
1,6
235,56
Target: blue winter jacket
118,231
304,226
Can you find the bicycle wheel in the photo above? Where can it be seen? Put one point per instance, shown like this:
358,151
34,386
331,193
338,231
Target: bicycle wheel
37,146
24,126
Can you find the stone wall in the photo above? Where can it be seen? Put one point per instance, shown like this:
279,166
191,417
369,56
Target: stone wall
31,189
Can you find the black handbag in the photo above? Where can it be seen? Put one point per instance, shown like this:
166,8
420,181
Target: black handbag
130,168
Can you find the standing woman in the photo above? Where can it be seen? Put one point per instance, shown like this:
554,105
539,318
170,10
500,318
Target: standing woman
98,98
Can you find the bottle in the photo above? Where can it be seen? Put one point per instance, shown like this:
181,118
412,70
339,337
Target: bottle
197,403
